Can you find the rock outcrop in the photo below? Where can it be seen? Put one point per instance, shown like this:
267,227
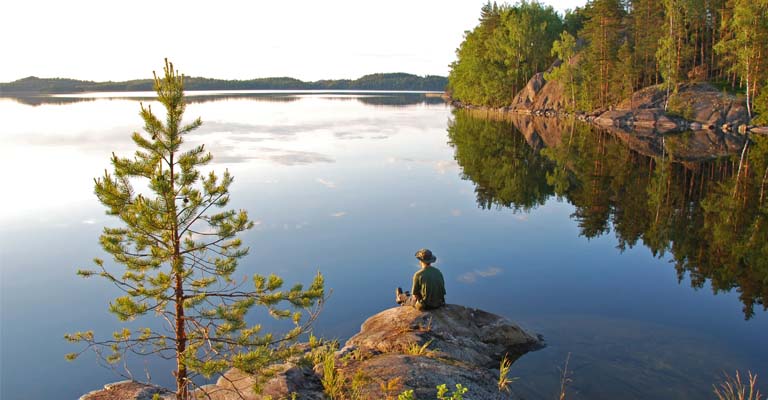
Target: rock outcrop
460,345
695,106
540,95
129,390
401,346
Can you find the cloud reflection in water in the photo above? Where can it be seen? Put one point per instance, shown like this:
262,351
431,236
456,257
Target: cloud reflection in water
473,276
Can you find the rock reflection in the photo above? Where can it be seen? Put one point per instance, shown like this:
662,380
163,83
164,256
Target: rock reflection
677,195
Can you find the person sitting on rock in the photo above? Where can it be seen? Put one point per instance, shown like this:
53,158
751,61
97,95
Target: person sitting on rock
428,285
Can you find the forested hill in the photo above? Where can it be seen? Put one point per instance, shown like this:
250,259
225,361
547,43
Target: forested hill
612,48
389,81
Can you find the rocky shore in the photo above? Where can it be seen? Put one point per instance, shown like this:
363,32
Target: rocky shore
401,347
695,107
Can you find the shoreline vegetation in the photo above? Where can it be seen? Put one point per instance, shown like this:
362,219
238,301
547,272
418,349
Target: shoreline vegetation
382,81
600,58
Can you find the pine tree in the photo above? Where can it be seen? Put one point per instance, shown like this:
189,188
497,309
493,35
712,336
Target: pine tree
179,257
625,73
647,21
747,47
674,50
602,31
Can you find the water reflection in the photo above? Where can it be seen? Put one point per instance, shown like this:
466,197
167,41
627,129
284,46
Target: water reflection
645,189
375,99
393,185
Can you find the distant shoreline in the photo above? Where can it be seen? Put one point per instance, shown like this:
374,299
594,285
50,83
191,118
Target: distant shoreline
380,82
390,97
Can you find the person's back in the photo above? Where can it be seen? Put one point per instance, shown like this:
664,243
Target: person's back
429,284
428,290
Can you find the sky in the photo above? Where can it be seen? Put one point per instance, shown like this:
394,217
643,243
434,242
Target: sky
304,39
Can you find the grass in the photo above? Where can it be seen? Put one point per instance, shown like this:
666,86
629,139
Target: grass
415,349
733,388
458,394
565,377
427,327
504,381
391,387
332,380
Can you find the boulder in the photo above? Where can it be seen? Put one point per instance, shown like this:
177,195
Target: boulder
129,390
737,114
463,334
614,118
422,349
290,378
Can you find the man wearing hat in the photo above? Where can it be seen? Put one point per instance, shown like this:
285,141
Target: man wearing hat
428,285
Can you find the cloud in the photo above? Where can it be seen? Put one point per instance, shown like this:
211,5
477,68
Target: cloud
473,276
328,184
339,214
444,166
296,226
232,154
456,213
440,166
364,129
244,132
89,222
291,158
395,160
521,217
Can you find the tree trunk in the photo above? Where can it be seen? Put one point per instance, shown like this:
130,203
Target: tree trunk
749,107
182,387
181,343
741,162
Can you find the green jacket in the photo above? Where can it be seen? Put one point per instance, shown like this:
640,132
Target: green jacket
429,288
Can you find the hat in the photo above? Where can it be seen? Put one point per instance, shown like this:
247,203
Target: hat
426,256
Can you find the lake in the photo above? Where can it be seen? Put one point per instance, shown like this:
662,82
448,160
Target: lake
648,272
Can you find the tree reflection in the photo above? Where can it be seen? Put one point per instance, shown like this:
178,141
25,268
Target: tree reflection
506,171
713,228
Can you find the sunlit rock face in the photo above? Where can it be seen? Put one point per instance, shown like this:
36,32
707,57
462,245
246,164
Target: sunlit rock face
460,333
458,345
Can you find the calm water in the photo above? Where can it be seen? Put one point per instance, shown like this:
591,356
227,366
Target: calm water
608,252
